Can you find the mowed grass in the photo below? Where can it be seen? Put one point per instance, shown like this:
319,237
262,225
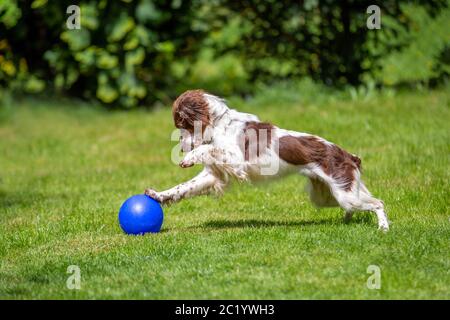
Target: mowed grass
65,169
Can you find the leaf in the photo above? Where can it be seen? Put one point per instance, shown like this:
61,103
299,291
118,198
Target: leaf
144,35
86,58
166,47
122,26
77,39
147,12
138,91
38,4
72,76
131,44
10,13
89,15
106,93
102,78
126,81
133,58
127,101
59,81
34,85
106,60
8,67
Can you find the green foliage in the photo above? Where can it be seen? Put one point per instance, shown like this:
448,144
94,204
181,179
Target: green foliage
122,55
65,171
329,41
418,47
225,74
130,53
9,13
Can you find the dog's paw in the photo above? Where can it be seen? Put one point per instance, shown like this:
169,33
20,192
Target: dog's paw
383,227
153,194
242,175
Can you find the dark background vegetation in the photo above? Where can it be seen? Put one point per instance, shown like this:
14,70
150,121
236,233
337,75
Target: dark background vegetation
66,165
131,53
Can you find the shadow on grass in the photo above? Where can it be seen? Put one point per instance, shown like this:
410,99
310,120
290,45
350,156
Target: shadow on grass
253,223
358,218
9,199
26,199
361,218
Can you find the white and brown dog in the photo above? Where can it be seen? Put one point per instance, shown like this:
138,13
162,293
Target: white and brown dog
232,144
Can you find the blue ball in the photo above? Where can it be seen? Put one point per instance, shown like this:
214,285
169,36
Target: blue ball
140,214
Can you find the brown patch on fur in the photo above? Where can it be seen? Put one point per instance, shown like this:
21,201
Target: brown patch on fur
301,150
189,107
334,161
254,128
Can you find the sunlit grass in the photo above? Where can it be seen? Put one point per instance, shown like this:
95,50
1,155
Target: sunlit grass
65,169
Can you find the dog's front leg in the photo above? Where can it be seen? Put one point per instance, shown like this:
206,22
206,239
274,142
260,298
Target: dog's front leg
224,160
205,154
200,184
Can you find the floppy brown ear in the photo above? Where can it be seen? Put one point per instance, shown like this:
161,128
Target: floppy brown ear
189,107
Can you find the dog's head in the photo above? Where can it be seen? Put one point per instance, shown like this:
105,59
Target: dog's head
189,109
193,115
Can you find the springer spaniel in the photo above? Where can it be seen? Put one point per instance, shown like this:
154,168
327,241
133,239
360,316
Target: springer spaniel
232,144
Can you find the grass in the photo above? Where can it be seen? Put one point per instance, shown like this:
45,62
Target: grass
65,169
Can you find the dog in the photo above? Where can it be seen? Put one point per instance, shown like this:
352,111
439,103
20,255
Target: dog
231,144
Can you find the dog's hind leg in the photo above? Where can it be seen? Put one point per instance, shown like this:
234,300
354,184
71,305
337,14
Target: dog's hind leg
321,196
360,200
350,195
320,193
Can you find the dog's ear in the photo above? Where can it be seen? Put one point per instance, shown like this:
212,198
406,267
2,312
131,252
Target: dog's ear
190,107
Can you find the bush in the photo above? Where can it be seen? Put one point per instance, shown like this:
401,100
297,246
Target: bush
129,53
423,43
330,42
122,54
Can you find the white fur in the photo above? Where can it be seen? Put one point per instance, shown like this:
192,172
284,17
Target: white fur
222,157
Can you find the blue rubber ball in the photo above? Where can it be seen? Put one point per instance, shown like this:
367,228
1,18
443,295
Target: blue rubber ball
140,214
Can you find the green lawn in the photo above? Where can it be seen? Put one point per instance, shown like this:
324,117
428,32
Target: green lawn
66,168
